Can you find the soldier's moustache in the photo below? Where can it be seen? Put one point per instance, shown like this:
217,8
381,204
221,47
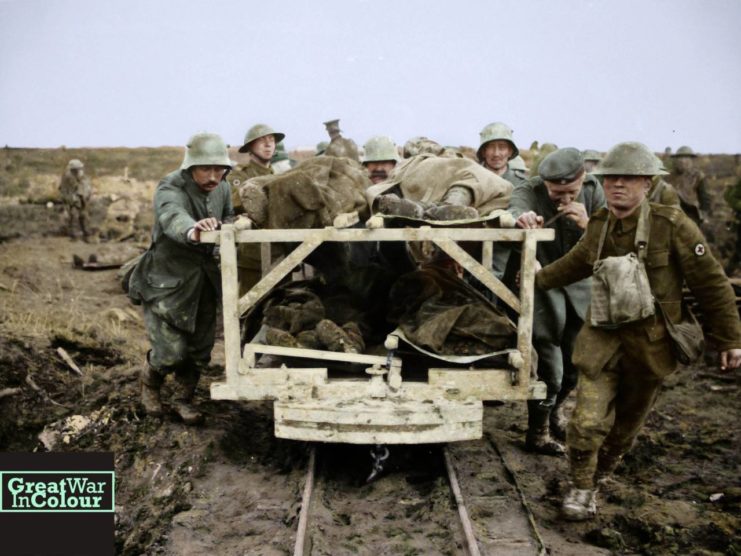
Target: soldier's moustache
383,174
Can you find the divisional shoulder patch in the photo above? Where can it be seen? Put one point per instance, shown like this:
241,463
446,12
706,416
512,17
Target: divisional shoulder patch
699,249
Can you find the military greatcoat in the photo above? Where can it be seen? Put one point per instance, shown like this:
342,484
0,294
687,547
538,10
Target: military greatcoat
176,279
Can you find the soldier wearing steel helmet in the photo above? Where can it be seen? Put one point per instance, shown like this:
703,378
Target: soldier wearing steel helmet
496,148
690,185
76,191
622,355
380,158
260,143
177,280
339,145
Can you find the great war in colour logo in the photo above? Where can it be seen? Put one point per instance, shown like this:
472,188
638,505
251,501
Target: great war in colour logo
57,491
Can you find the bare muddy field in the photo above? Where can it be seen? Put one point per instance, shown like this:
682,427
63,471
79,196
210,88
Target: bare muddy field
230,487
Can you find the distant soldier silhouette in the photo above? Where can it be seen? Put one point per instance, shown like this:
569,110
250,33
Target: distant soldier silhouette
76,191
339,145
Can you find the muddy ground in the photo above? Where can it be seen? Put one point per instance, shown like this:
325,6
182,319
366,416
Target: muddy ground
230,487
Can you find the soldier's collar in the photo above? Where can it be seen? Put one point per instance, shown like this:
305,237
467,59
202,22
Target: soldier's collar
629,222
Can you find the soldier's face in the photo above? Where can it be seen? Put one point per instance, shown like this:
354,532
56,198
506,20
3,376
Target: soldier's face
77,172
208,177
564,194
379,170
263,147
496,154
683,163
625,193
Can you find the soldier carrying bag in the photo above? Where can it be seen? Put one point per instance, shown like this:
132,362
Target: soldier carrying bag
621,292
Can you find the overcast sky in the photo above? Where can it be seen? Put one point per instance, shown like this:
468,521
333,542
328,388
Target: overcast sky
578,73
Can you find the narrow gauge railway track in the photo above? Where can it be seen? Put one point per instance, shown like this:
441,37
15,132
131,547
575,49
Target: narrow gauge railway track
417,514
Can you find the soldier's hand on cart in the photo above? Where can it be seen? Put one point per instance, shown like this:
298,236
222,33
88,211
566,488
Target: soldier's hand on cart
576,212
529,220
205,225
730,359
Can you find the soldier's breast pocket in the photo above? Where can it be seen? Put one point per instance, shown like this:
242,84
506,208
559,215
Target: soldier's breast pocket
658,270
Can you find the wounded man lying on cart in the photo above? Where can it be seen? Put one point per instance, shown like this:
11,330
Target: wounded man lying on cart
353,301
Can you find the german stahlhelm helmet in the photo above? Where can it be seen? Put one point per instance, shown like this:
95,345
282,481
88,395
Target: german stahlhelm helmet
320,148
206,149
496,131
629,159
75,164
257,131
380,148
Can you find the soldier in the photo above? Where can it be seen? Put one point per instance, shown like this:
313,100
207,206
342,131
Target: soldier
76,191
339,145
177,280
631,342
591,159
496,149
565,196
260,142
689,183
381,156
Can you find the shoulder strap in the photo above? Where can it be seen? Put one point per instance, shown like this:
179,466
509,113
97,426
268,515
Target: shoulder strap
603,235
642,230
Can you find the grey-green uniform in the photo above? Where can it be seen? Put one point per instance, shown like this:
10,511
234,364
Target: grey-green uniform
75,190
177,281
558,313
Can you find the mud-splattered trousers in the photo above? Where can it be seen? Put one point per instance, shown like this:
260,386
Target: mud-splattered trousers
173,348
